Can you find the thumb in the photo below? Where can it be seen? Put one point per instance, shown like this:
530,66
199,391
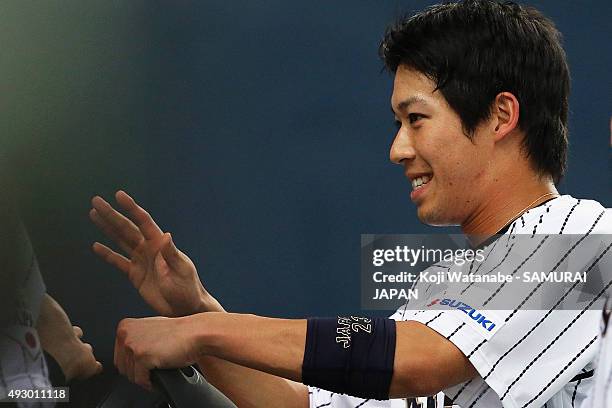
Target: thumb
77,331
170,252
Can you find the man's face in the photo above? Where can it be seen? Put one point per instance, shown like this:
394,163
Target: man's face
433,149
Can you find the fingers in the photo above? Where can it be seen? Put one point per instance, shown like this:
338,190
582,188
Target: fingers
118,261
129,364
126,362
94,367
77,331
108,230
138,215
82,363
118,359
170,252
123,230
142,377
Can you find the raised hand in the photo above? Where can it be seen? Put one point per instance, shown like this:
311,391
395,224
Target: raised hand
163,275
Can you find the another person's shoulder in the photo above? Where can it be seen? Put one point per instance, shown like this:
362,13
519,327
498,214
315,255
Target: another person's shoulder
566,215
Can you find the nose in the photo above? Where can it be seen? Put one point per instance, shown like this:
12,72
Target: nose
402,147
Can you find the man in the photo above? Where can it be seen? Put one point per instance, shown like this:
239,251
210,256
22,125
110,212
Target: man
31,321
480,97
601,392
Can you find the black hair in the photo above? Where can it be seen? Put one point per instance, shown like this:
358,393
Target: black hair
475,49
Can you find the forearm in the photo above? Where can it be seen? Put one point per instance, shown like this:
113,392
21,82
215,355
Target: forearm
251,388
275,346
54,327
247,387
57,337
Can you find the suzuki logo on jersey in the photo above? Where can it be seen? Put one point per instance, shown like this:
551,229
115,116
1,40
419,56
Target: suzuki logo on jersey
474,314
433,302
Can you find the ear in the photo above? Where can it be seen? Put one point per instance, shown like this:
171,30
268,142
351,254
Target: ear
504,114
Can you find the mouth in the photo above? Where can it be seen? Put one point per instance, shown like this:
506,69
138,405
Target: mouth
419,186
421,181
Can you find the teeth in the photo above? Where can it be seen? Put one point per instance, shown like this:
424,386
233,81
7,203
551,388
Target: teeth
418,182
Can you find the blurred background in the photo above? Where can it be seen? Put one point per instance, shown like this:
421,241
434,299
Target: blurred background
256,132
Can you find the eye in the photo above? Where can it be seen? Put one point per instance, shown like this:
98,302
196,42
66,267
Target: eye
414,117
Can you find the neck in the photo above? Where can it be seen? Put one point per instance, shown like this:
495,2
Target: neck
504,206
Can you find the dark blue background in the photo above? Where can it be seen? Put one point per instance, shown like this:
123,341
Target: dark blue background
258,134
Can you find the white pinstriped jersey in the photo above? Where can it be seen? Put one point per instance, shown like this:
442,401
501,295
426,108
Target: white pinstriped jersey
534,358
601,392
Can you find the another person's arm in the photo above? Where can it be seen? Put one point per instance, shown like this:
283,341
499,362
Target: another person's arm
62,341
22,288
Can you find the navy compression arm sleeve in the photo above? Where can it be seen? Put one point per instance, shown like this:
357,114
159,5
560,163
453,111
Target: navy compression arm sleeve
350,355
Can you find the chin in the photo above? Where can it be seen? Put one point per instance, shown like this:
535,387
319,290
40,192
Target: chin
434,217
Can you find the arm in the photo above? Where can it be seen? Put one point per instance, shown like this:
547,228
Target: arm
425,362
252,388
63,341
168,281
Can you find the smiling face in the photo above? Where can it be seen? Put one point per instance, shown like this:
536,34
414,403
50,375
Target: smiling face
449,173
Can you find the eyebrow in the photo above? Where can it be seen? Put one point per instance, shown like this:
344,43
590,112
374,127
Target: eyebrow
405,104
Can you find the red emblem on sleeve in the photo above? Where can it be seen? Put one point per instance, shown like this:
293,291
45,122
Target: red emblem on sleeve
30,340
